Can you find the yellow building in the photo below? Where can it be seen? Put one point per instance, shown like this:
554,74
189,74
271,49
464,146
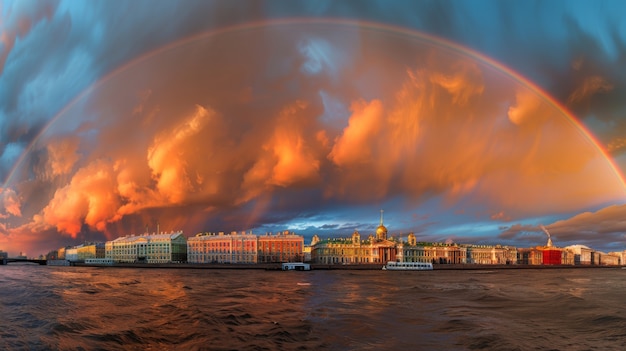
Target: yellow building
436,253
148,248
375,249
91,250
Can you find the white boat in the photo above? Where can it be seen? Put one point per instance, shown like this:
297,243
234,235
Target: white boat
408,266
296,266
99,261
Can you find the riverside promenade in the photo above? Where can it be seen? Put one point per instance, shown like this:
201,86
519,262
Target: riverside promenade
277,266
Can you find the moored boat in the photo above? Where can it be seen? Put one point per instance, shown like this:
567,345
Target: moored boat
296,266
408,266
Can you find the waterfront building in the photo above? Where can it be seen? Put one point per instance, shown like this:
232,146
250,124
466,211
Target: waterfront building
148,248
61,253
488,254
621,255
306,253
352,250
529,256
608,259
438,253
375,249
87,250
4,255
221,248
583,255
284,247
71,254
245,248
441,253
551,256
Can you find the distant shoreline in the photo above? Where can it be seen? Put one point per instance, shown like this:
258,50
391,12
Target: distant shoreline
277,266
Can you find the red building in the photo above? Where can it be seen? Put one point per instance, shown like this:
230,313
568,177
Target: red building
552,256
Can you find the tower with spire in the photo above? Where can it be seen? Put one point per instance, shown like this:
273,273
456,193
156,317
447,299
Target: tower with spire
381,231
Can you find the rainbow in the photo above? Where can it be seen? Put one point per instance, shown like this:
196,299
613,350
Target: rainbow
374,26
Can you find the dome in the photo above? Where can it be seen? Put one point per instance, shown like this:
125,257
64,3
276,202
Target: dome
381,232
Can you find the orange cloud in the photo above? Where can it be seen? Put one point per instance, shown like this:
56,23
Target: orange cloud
89,198
11,202
287,157
463,83
361,137
166,158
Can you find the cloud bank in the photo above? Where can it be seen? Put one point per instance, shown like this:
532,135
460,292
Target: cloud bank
280,123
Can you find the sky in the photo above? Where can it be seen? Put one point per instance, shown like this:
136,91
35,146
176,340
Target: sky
465,121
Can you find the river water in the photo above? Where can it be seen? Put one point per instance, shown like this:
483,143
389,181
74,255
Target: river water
82,308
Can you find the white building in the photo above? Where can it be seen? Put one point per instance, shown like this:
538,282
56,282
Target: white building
148,248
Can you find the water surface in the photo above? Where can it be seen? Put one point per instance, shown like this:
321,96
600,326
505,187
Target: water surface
82,308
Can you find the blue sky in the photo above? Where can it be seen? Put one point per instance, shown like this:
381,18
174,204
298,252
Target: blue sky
270,126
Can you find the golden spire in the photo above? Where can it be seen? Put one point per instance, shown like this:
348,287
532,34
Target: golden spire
381,217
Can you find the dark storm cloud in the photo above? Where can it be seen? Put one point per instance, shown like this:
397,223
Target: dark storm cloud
51,51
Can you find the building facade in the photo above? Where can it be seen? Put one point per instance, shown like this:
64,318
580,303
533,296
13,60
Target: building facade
245,248
284,247
376,249
487,254
222,248
148,248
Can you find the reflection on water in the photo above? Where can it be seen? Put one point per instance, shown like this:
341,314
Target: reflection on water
74,308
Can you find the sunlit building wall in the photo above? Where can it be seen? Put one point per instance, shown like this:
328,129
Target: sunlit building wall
621,255
487,254
222,248
284,247
445,253
148,248
413,253
71,254
582,254
567,257
92,250
436,253
529,256
353,250
608,259
61,253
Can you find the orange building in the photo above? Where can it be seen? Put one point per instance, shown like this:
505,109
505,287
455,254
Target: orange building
284,247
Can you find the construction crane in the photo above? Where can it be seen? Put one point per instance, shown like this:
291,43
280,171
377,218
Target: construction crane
548,234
